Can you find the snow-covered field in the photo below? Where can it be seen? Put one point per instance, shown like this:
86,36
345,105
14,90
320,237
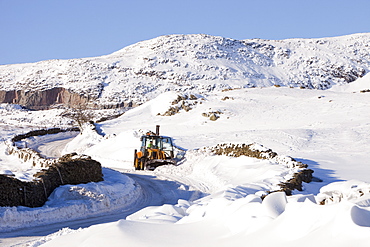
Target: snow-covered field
210,200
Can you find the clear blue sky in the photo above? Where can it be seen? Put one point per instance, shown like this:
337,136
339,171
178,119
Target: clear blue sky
35,30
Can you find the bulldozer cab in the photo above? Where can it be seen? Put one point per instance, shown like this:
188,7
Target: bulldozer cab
155,151
160,143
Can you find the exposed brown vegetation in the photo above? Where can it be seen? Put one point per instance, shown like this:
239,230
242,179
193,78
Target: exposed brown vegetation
185,102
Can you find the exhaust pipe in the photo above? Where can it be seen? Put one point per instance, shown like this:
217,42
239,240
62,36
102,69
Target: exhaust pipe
157,130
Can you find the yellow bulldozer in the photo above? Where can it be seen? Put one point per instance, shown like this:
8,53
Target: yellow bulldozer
155,151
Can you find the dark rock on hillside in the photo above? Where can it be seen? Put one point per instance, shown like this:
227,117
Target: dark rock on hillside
39,100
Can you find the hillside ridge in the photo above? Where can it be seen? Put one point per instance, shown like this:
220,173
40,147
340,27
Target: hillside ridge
196,63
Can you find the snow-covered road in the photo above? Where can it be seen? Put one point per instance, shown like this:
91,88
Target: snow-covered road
54,150
155,192
158,190
51,146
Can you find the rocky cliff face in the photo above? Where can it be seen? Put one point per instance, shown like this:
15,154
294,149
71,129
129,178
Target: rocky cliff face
39,100
186,63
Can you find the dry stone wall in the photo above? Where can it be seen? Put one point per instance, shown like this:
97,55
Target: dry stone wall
30,155
259,152
42,132
68,169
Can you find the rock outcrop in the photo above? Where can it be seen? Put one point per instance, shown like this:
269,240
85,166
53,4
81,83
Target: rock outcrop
43,99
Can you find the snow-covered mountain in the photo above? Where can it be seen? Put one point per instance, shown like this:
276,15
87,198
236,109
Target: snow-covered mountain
198,63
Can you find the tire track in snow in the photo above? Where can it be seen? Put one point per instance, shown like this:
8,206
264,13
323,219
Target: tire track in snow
159,190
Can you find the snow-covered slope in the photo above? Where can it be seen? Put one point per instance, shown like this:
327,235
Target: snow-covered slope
211,200
328,130
197,63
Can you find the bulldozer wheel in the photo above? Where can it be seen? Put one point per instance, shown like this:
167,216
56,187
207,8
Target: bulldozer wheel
142,164
136,164
136,161
139,164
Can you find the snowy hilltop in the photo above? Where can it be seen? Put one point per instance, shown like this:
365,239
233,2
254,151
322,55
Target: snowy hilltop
196,63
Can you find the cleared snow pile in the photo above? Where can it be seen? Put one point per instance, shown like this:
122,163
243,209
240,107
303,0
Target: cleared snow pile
70,202
240,169
115,151
88,138
260,152
275,204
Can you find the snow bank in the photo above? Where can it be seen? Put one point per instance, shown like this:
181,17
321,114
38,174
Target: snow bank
71,202
223,222
357,86
352,190
88,138
50,237
11,165
220,172
117,151
275,204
